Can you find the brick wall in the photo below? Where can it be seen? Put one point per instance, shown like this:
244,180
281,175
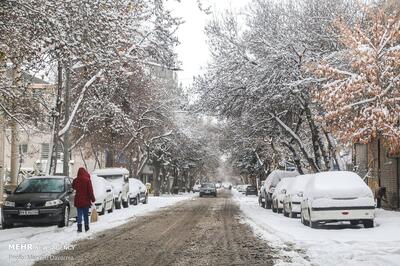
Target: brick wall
382,170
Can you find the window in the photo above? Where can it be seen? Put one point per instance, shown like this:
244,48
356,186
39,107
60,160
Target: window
23,148
45,151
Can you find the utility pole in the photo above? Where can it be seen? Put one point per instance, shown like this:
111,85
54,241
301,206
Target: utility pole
56,125
66,117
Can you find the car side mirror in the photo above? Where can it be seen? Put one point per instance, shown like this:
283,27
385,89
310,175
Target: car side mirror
108,190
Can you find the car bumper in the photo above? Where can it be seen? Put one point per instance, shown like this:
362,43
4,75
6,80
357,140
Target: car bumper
342,214
208,192
45,216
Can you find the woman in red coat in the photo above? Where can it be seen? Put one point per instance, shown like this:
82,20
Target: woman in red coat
83,198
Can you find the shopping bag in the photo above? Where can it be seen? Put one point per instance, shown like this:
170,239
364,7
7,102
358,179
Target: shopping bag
93,215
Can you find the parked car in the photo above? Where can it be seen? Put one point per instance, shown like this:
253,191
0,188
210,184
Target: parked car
251,190
242,188
138,192
208,189
280,193
294,196
104,194
40,200
265,195
337,196
119,178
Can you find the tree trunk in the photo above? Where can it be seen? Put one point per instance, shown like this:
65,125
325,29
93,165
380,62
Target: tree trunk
296,157
66,118
156,179
314,136
14,154
57,113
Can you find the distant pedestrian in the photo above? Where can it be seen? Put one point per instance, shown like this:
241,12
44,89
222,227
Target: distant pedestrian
83,198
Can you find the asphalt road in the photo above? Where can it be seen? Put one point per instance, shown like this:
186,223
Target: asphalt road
203,231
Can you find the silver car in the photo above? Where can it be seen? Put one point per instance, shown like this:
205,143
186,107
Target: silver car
208,189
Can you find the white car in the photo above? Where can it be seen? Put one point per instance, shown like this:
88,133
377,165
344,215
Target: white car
280,193
242,188
118,177
137,192
104,194
337,196
265,195
294,196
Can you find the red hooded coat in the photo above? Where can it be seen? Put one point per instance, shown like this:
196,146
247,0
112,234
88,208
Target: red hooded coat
84,191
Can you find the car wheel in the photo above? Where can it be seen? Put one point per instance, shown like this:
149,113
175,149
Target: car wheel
103,210
310,222
125,203
136,200
5,225
112,207
278,210
284,212
267,204
65,220
291,214
200,195
118,204
262,204
303,220
368,223
273,207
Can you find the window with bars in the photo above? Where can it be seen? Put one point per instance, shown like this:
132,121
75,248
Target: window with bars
46,150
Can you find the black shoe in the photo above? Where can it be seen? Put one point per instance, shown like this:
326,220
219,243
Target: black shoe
79,228
86,227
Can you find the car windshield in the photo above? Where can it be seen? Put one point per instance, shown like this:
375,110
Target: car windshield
41,185
208,185
111,177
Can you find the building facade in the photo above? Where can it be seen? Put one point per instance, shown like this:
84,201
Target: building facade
381,170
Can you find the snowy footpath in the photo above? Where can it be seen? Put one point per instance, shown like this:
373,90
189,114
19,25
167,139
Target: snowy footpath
24,245
338,244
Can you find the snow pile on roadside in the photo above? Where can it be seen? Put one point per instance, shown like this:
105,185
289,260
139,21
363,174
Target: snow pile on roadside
328,245
39,242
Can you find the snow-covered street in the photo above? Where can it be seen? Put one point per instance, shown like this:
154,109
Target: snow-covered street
24,245
339,244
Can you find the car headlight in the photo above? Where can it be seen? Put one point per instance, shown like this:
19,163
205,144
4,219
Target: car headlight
9,203
53,202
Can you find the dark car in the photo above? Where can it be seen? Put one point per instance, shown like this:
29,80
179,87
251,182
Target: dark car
208,189
251,190
40,200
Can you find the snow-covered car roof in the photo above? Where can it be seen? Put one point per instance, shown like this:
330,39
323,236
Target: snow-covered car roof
283,184
277,175
299,184
337,184
111,171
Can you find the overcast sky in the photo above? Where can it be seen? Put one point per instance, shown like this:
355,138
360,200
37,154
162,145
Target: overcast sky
193,50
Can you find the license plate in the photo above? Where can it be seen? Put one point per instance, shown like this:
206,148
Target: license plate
29,212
